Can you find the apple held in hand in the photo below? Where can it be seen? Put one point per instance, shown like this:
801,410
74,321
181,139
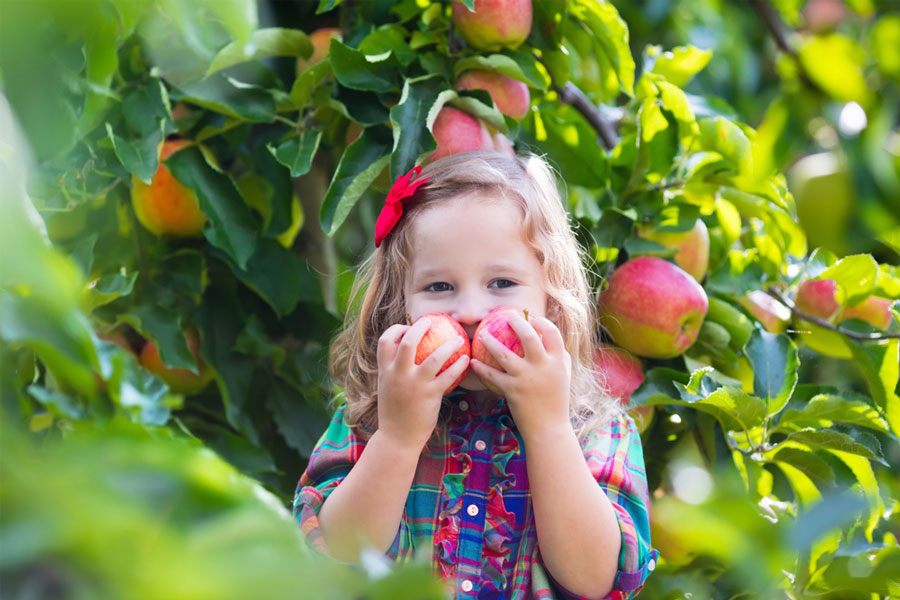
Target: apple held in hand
653,308
179,380
166,207
443,328
496,323
494,24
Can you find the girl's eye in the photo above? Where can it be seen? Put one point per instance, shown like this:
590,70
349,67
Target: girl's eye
502,283
440,286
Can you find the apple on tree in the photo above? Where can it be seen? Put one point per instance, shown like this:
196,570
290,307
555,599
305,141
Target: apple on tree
165,206
691,247
494,24
443,329
179,380
773,315
620,373
653,308
511,96
457,131
321,40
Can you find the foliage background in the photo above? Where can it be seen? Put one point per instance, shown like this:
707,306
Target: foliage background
773,466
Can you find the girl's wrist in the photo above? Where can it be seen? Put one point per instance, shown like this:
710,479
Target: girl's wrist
398,445
547,432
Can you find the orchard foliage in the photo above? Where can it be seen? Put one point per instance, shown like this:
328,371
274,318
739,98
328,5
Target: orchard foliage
772,448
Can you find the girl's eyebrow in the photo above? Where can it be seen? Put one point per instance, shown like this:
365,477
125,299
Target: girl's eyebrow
504,268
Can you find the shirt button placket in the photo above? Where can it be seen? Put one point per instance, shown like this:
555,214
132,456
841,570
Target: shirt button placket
474,501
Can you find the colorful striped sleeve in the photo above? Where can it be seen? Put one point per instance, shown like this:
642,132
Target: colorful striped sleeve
614,455
334,455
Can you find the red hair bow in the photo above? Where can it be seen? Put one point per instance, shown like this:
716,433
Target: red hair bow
403,188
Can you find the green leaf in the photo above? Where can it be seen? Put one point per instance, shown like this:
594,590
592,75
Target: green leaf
300,422
572,145
737,324
855,274
263,43
327,5
775,362
358,71
834,63
738,274
230,221
680,64
825,409
513,63
60,404
810,464
146,106
297,153
140,157
360,164
164,327
107,288
231,97
880,364
834,512
480,105
660,384
308,82
611,35
418,107
389,38
864,444
723,136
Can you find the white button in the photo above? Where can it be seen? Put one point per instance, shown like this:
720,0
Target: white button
472,510
467,586
651,565
480,445
463,405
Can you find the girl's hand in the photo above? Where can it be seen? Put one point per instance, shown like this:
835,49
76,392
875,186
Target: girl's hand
536,385
409,395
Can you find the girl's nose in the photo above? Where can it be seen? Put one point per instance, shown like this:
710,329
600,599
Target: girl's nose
469,312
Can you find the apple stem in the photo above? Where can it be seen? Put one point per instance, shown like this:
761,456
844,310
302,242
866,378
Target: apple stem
525,311
409,320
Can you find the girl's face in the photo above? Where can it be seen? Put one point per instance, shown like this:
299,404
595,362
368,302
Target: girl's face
468,257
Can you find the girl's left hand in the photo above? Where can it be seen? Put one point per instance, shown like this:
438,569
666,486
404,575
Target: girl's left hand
536,385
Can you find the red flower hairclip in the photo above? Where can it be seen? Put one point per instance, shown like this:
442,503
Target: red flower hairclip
403,188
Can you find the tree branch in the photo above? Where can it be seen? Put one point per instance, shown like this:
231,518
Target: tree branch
571,94
767,13
861,337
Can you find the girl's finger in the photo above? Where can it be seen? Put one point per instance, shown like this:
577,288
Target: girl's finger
388,343
445,379
433,363
406,351
487,373
551,336
503,355
530,337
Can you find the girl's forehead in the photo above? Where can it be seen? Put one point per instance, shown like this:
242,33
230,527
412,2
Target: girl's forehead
474,206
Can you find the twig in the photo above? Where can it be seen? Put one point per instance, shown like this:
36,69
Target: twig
571,94
773,23
862,337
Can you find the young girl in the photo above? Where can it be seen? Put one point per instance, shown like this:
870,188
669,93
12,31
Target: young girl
536,493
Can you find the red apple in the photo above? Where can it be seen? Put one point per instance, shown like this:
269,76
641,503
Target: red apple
497,324
443,328
179,380
774,315
653,308
321,40
494,24
691,247
510,95
456,131
165,206
874,310
818,297
621,374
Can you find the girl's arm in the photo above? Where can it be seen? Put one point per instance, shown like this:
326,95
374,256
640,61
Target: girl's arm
577,529
367,506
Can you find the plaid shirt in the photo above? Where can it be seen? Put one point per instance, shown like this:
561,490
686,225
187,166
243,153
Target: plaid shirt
469,508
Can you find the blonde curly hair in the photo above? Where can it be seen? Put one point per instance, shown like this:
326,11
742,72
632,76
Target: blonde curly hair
378,299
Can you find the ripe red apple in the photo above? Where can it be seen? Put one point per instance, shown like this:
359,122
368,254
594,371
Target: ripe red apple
821,298
443,328
653,308
494,24
874,310
165,207
774,315
621,373
457,131
691,247
510,95
179,380
497,324
321,40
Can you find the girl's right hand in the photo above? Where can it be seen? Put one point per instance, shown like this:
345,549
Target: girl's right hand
409,395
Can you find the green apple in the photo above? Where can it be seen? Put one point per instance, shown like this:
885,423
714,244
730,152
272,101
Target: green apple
825,197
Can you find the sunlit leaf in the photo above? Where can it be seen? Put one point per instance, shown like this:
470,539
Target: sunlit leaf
263,43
